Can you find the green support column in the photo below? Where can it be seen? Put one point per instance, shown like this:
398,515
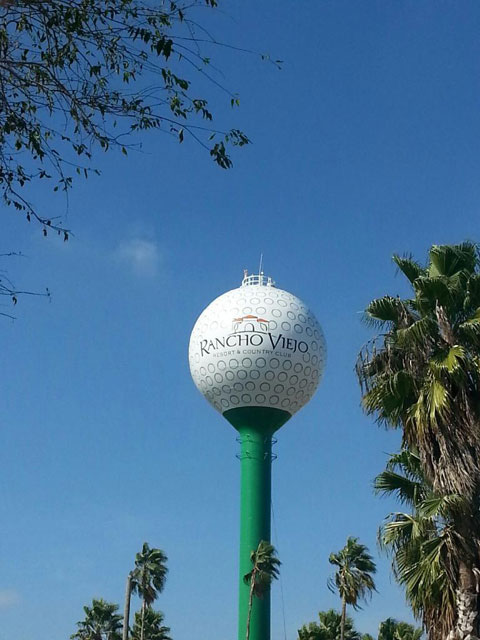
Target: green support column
256,483
256,426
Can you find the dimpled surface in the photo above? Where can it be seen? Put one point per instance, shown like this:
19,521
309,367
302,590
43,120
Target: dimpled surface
257,346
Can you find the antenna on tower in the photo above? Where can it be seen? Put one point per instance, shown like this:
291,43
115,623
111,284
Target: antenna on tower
260,265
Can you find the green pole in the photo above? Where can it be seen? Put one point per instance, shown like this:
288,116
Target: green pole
256,426
256,464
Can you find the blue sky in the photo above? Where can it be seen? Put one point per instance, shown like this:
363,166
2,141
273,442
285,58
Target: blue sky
364,144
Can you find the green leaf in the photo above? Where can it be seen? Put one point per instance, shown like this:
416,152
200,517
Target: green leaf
450,361
431,289
446,260
411,269
416,334
389,482
441,506
384,309
470,329
438,398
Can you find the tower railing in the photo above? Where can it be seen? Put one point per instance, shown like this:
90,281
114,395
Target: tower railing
257,279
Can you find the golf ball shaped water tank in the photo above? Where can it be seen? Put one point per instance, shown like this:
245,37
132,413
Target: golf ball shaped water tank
257,346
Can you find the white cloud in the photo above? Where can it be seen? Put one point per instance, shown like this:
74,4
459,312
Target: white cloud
142,255
8,598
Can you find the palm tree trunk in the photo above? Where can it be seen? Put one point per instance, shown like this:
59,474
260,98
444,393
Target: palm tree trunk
250,603
126,611
466,603
144,606
466,595
344,615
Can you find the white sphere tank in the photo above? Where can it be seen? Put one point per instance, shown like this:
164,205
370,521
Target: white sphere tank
257,346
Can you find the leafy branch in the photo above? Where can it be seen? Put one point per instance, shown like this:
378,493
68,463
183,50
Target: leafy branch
81,75
8,289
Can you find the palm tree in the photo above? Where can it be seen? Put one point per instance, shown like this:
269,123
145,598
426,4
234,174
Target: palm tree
406,631
391,629
153,626
353,579
147,579
329,627
312,631
386,630
101,622
422,374
423,544
265,570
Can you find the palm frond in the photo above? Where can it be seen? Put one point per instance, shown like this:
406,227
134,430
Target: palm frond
397,529
442,506
382,310
450,360
390,397
429,290
405,490
408,462
438,401
446,260
416,334
409,267
470,328
472,297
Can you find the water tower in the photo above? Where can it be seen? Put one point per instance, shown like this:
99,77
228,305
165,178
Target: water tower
257,354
